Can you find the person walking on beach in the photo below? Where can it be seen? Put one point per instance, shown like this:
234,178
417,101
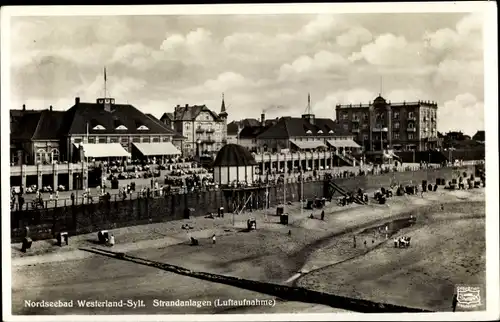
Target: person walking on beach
213,239
454,302
323,215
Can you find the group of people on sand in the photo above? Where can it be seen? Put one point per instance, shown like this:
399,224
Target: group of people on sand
402,241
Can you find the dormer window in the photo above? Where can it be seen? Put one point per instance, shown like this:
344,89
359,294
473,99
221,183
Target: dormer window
320,132
142,128
330,132
309,132
98,127
121,127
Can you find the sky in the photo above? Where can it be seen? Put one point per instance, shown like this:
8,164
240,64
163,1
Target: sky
260,62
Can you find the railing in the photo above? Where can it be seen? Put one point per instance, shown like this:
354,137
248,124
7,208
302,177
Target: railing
345,158
411,129
200,130
210,131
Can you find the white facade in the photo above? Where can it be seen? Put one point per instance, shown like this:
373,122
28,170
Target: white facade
228,175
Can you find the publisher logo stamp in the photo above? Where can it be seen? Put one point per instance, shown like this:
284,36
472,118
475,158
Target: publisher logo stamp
468,297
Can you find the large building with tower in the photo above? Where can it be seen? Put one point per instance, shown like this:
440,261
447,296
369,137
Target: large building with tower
382,125
205,130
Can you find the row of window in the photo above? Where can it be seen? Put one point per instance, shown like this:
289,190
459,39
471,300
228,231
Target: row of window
396,126
47,156
395,136
123,139
120,127
378,116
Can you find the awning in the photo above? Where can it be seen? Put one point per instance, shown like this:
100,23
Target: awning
103,150
163,148
343,143
308,144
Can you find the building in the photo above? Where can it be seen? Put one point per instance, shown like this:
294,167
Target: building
102,129
234,163
177,139
384,125
480,136
236,127
205,130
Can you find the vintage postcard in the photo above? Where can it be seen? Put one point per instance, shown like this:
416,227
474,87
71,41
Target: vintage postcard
250,162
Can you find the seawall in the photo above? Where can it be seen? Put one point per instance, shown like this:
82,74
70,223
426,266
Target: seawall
81,219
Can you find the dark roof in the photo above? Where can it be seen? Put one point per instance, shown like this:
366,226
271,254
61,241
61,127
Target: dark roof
189,113
168,115
81,114
232,128
479,136
251,132
234,155
288,127
23,125
36,125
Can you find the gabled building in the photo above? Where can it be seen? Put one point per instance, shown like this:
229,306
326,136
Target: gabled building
204,129
177,139
236,127
381,125
86,130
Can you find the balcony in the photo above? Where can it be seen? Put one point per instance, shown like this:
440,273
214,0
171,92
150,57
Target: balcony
412,118
355,130
379,129
200,130
411,129
210,130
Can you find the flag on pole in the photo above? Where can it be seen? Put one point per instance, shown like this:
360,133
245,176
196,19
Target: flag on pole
105,78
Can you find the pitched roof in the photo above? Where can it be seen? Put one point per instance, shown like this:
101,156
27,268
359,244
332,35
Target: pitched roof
479,136
177,135
251,132
288,127
167,115
81,114
49,125
189,113
233,155
23,125
232,128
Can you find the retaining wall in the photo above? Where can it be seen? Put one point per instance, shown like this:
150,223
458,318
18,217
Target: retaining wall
81,219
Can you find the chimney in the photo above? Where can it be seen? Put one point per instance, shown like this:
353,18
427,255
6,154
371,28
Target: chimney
50,108
24,107
187,105
262,119
77,100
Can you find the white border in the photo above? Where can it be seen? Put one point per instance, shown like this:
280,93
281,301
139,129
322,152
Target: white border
491,127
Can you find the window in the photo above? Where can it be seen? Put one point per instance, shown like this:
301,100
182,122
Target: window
396,115
396,136
136,139
320,132
364,126
365,137
124,139
78,140
365,116
113,139
156,139
330,132
345,116
411,115
55,154
121,127
308,132
345,126
146,139
166,139
411,126
396,125
98,127
102,139
410,136
41,155
91,139
142,128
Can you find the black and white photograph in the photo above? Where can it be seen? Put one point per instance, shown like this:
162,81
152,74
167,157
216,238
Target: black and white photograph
249,162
